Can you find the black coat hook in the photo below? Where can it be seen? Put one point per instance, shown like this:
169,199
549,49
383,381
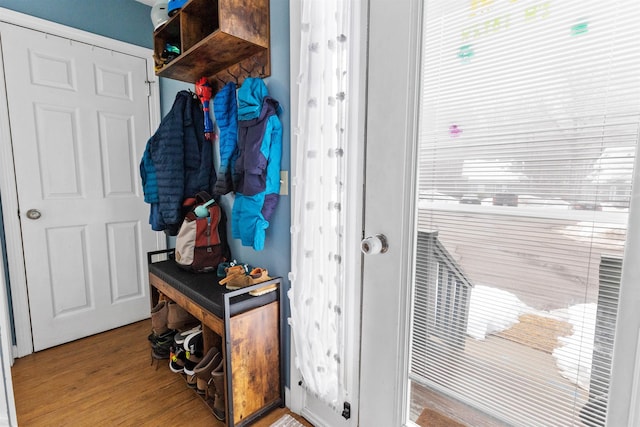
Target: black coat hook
235,78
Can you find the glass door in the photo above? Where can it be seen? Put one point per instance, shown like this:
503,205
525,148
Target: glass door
501,146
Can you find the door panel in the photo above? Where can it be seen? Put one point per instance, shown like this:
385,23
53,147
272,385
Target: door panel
79,122
56,147
69,290
389,208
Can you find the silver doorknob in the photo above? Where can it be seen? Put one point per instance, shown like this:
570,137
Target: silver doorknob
374,245
33,214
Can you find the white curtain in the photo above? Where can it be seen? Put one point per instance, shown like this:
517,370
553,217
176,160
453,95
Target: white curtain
317,292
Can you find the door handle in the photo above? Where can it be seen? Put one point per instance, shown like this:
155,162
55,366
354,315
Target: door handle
33,214
374,245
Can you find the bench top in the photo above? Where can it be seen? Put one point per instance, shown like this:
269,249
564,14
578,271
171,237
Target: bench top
204,289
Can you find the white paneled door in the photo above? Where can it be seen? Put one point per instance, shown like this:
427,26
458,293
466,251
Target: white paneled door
79,119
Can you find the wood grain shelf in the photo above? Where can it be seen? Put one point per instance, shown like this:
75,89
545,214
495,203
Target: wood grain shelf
223,40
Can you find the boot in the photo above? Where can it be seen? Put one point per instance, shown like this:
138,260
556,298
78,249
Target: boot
159,318
204,368
177,317
218,381
192,380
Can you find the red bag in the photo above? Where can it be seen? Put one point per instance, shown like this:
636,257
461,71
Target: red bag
201,243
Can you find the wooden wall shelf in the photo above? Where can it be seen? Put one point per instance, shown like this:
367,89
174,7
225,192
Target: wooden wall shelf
223,40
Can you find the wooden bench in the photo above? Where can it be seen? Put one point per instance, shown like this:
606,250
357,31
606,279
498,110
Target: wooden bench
249,329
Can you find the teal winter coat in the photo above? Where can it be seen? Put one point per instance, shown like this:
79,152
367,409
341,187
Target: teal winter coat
256,171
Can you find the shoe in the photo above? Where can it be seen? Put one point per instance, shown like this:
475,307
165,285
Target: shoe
159,318
177,317
177,360
222,268
181,336
188,367
161,344
232,272
217,375
193,342
167,337
257,275
179,363
160,354
192,380
264,290
204,368
193,347
238,281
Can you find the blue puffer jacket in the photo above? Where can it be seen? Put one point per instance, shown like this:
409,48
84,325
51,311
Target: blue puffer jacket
256,174
182,161
225,109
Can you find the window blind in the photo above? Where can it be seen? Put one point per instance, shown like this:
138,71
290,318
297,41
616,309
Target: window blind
528,135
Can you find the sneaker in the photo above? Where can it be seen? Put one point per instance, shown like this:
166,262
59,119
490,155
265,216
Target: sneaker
181,336
167,336
179,363
161,344
188,367
193,347
193,342
177,360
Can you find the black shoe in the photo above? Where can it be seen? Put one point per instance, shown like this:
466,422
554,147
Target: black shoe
161,344
177,360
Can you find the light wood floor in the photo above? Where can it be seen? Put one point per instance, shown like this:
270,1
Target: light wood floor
107,380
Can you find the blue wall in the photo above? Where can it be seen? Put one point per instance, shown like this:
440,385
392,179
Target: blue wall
125,20
276,256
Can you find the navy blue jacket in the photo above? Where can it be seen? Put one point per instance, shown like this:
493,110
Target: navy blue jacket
182,160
